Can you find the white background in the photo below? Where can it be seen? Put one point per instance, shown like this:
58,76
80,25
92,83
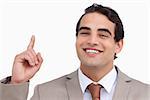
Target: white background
53,22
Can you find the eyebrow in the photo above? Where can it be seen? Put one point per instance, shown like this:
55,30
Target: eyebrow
84,28
104,30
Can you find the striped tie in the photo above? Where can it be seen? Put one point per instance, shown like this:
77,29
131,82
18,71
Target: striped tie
95,91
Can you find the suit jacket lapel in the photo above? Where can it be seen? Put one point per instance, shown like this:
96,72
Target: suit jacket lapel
122,87
73,87
120,93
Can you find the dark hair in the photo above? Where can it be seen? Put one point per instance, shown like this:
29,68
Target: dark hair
110,14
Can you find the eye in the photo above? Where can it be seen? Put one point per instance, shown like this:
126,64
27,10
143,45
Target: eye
84,33
104,36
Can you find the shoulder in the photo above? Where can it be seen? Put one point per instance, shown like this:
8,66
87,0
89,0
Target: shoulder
139,89
139,86
56,85
131,88
122,77
57,88
135,87
59,81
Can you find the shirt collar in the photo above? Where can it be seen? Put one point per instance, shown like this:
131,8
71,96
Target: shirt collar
107,81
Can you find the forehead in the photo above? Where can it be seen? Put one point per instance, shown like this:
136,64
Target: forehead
96,21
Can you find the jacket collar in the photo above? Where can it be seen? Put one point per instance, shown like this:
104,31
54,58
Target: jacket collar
120,93
73,87
122,87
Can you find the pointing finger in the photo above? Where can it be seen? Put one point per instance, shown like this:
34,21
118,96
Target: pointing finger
32,41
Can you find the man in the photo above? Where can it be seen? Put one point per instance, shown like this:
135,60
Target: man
99,38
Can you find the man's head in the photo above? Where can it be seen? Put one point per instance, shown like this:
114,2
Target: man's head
99,34
110,14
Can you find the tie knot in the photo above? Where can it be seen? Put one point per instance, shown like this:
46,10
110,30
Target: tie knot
95,91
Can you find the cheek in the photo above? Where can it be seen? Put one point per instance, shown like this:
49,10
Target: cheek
110,47
79,42
76,46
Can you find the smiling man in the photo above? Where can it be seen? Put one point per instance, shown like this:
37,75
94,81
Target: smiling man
99,38
96,46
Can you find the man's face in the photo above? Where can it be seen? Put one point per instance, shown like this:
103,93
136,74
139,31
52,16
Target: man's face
95,42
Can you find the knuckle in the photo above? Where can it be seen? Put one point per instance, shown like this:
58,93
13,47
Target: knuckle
28,51
17,56
41,60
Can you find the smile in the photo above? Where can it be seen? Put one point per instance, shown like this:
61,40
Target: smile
92,50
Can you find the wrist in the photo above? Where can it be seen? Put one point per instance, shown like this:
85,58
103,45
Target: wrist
13,81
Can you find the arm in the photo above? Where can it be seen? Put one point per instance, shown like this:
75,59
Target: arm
25,66
13,92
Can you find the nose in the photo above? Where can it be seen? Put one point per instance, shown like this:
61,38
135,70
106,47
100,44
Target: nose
93,40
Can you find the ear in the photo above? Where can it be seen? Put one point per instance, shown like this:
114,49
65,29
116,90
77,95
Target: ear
119,46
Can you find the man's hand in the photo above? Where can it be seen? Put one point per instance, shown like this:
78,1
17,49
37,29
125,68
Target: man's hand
26,64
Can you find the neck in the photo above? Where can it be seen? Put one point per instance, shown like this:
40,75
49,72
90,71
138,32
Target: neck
94,73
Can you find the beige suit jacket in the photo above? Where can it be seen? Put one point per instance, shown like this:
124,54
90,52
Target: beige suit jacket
68,88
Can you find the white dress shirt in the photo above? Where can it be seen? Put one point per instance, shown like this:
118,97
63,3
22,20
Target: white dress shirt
108,82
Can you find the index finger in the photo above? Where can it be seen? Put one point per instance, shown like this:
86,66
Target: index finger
32,41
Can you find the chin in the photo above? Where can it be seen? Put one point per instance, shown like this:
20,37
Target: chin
91,65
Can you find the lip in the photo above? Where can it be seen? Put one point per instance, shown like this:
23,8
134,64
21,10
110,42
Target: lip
92,49
92,54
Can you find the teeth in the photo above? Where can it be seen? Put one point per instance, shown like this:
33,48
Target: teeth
92,51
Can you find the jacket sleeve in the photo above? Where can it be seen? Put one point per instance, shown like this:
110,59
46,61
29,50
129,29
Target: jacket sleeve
13,92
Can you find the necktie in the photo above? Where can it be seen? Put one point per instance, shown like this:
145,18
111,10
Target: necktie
95,91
